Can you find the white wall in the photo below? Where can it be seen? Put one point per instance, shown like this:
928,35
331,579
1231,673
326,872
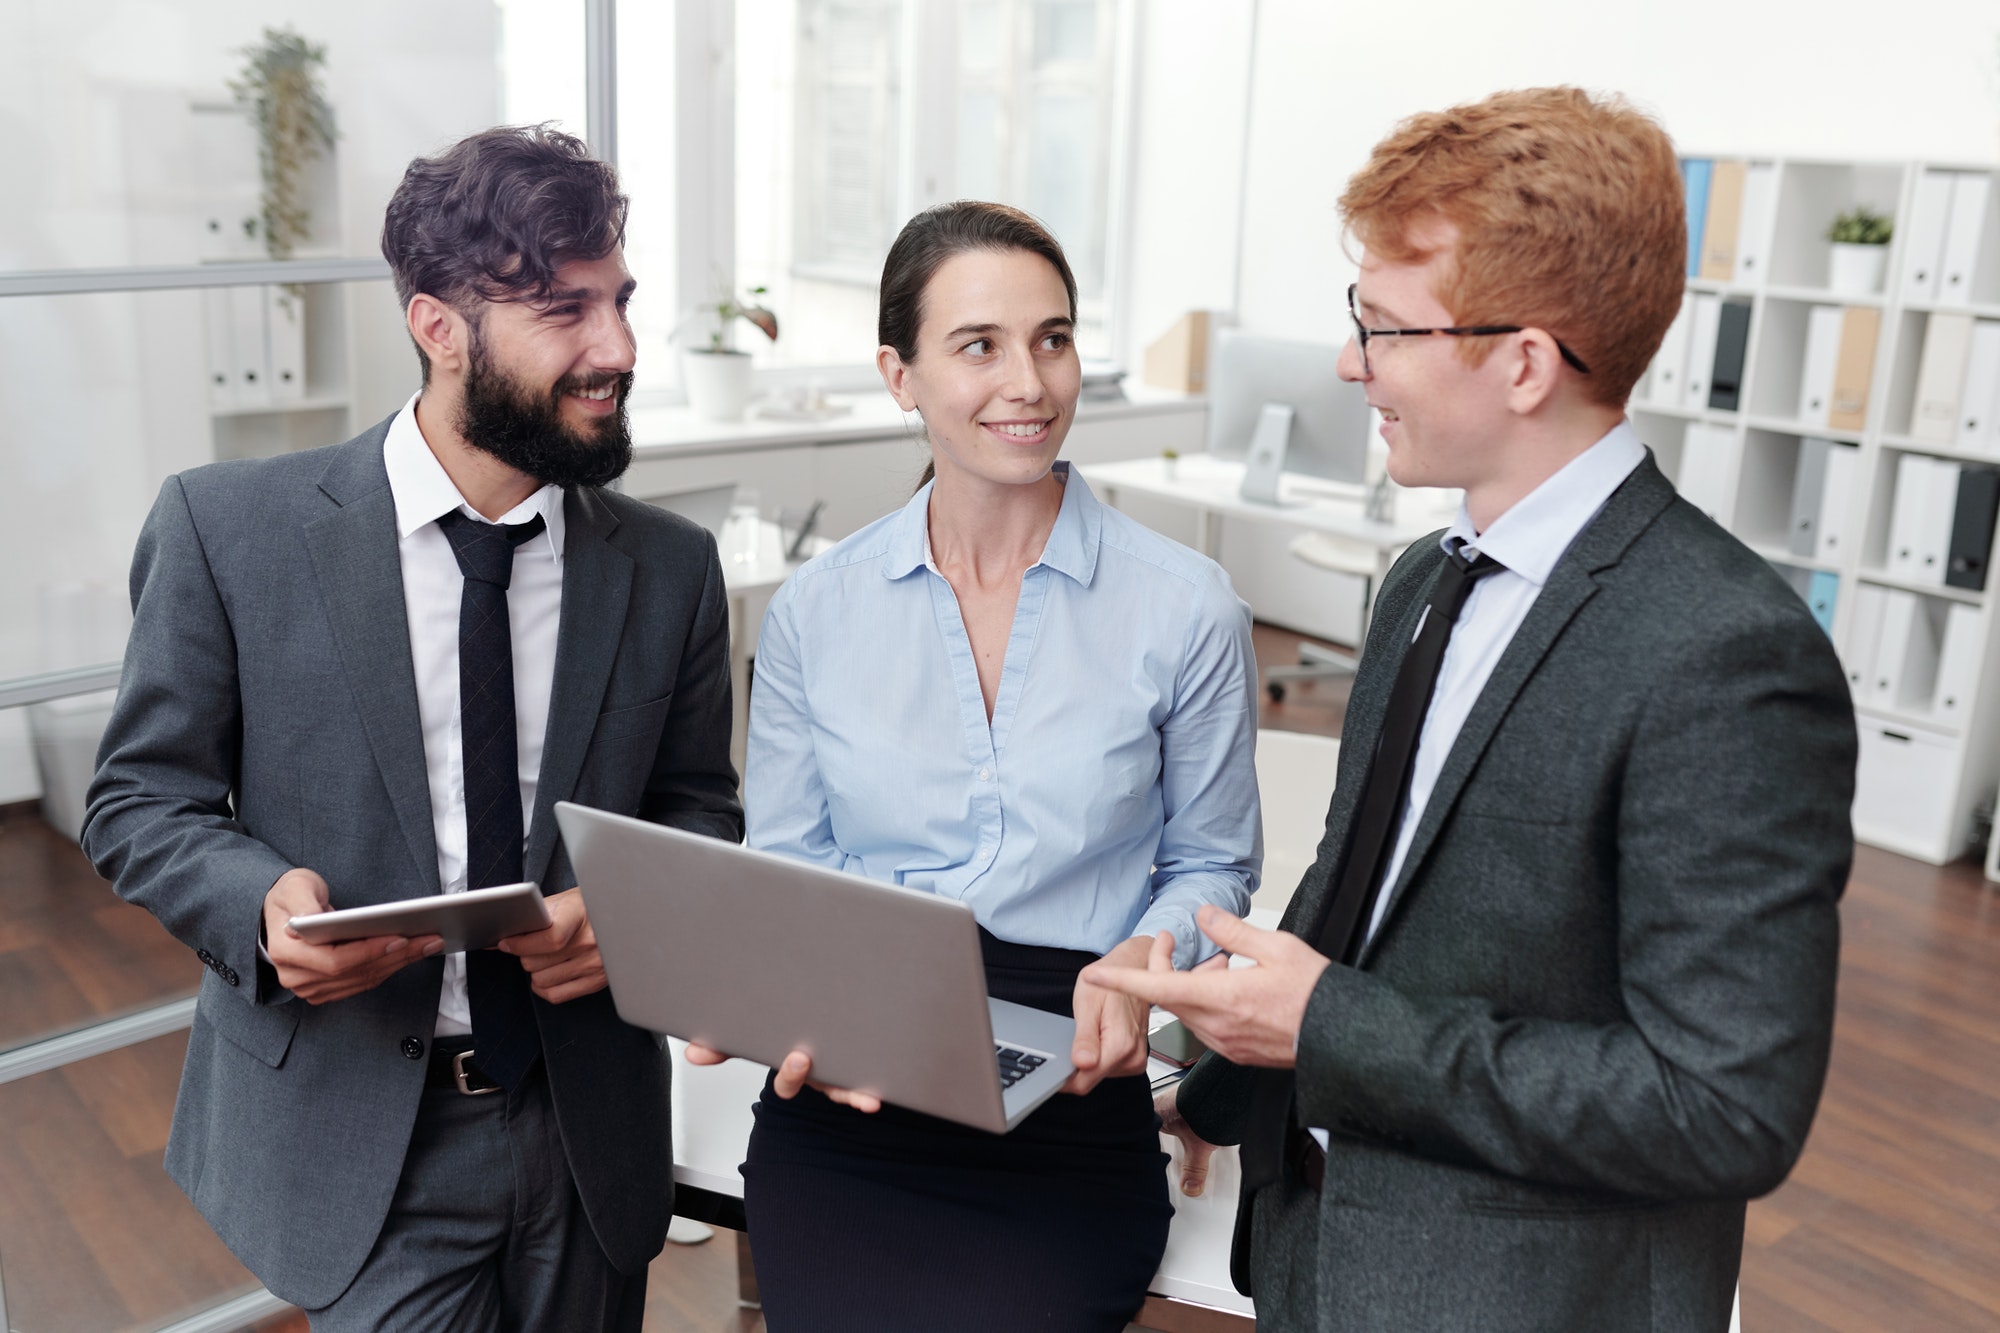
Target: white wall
1838,78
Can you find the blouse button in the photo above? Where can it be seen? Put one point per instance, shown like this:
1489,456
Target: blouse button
985,773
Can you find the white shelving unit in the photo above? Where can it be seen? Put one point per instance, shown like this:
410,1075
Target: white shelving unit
1928,767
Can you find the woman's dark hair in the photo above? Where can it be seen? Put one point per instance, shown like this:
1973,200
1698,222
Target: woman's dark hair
938,234
495,215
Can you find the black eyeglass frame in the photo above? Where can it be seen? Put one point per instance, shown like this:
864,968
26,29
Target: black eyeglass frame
1362,333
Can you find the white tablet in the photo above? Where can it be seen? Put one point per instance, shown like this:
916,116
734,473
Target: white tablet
477,919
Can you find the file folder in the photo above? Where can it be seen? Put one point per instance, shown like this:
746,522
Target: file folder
246,339
1711,458
1864,637
1892,653
1916,687
285,332
1971,546
1663,388
1808,491
1702,332
1854,368
1977,432
1941,378
1821,592
1934,528
1732,339
1753,232
1930,214
1843,470
1823,328
1958,665
1967,238
217,326
1695,172
1725,213
1907,510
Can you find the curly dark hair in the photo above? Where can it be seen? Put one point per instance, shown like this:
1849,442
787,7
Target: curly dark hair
495,215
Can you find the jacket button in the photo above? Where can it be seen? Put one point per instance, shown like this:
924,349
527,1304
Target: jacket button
412,1049
228,974
207,958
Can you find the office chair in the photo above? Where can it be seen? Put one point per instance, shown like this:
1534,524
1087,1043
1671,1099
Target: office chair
1324,551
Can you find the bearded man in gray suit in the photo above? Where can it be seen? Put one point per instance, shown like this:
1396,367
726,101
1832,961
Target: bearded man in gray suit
1557,995
367,673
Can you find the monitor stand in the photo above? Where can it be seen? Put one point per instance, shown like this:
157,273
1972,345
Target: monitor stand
1264,465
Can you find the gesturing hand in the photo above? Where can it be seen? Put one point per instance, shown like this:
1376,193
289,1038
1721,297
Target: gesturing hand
561,958
1248,1015
1110,1027
322,973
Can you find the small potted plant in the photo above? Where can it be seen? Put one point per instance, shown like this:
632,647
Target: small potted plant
1860,239
716,374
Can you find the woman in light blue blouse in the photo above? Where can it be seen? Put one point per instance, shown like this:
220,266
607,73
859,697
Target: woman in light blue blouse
1008,694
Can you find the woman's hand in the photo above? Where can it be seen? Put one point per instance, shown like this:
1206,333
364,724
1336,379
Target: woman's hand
792,1075
1195,1150
1111,1028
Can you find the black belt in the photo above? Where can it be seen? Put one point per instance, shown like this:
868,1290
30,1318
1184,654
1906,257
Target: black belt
453,1066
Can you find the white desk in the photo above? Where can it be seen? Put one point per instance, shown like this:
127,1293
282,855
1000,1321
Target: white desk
712,1131
1210,486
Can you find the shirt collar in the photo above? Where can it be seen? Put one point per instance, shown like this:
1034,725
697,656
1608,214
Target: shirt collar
423,491
1071,548
1531,537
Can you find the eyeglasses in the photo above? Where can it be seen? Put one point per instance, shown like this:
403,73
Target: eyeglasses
1362,333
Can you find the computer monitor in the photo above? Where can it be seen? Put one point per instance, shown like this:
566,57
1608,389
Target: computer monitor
1328,436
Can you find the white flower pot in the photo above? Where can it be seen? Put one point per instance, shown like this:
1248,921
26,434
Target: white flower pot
718,383
1857,269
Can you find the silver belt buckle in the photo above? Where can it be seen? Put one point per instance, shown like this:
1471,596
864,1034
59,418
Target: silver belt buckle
458,1076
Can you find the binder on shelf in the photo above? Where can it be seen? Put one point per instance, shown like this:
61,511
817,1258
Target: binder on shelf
1808,490
1821,591
1725,214
1853,368
1907,509
1711,461
1916,686
1753,230
1957,665
1694,171
1823,327
1864,637
1977,433
1923,238
1843,471
1663,386
1941,378
1702,331
1892,651
1966,237
217,321
1732,339
285,332
1935,526
1974,505
247,340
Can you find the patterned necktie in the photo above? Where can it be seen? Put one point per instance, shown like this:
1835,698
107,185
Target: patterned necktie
1272,1133
503,1016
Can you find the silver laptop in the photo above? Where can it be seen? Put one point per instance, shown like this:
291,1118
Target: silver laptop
706,505
758,955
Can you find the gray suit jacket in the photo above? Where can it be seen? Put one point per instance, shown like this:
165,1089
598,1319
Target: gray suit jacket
267,719
1596,1016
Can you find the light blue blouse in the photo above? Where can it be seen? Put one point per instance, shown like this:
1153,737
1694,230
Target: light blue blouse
1114,791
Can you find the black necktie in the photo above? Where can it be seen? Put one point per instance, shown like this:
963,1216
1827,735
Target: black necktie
503,1016
1271,1135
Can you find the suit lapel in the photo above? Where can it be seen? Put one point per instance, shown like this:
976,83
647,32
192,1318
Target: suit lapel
1573,582
356,559
596,586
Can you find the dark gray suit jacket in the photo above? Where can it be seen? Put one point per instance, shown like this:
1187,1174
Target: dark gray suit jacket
267,719
1596,1016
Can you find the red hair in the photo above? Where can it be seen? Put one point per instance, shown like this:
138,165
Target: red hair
1570,218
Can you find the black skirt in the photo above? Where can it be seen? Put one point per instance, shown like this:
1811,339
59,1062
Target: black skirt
902,1221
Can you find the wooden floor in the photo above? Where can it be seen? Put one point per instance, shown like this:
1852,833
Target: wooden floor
1891,1220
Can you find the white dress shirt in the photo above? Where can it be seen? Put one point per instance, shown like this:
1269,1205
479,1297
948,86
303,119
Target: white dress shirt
432,586
1528,540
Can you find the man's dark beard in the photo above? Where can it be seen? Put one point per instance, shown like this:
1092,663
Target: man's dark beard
525,430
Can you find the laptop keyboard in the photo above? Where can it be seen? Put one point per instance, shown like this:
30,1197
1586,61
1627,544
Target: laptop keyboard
1016,1065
